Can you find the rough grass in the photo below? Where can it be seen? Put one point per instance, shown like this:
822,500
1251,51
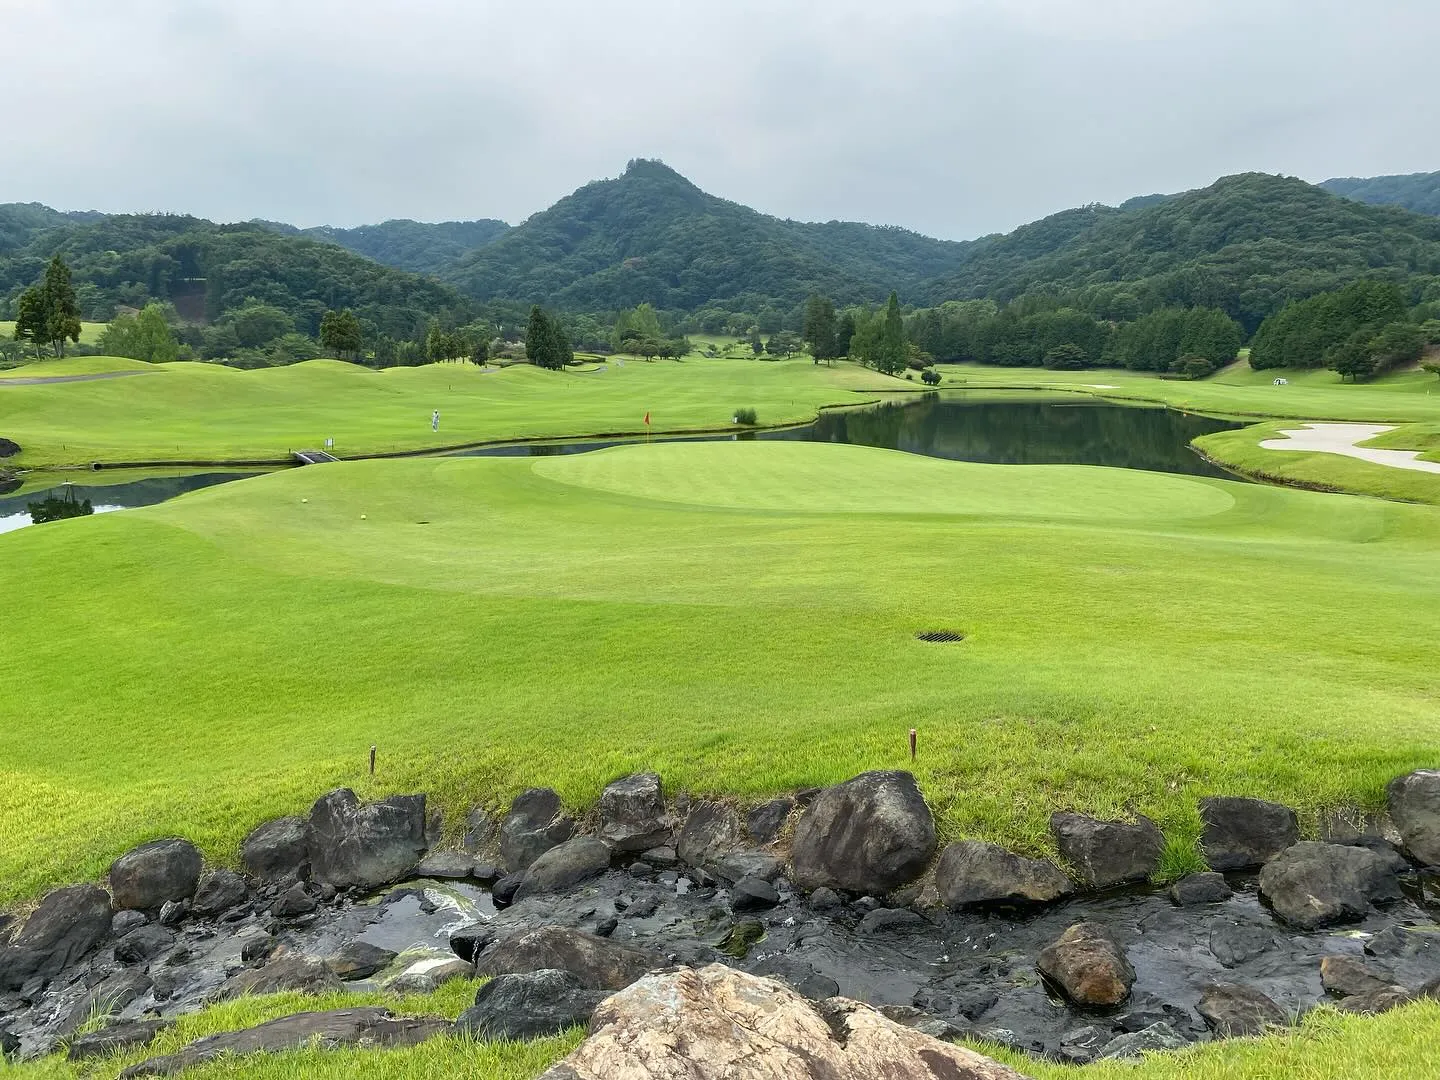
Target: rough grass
738,616
194,411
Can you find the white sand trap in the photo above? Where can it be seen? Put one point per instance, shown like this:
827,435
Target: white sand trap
1341,439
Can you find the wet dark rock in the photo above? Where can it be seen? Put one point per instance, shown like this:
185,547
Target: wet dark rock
1414,804
277,851
661,858
481,829
598,963
257,948
1406,943
341,1027
743,864
642,909
173,912
1083,1045
883,920
1088,965
66,925
359,960
1106,853
606,926
108,997
535,824
711,831
739,938
1156,1037
308,974
293,902
125,1035
470,941
919,1020
179,956
1311,885
1379,1000
640,869
146,877
1348,976
9,1044
1233,944
529,1006
353,844
871,834
563,867
142,943
219,890
445,866
765,821
818,987
1210,888
972,872
825,899
1239,833
486,873
125,921
503,891
632,813
753,894
1233,1010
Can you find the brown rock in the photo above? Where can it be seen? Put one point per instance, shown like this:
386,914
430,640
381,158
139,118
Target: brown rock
720,1024
1348,976
1088,964
598,963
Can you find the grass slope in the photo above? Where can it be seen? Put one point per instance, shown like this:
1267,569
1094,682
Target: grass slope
89,331
737,616
192,411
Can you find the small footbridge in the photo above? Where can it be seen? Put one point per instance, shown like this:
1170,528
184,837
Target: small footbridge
312,457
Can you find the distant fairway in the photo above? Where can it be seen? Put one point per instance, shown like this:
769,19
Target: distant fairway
194,411
89,331
738,616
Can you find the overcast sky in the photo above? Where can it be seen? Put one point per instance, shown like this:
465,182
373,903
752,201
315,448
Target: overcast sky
953,117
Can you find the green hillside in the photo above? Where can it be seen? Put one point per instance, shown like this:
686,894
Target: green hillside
1419,192
418,246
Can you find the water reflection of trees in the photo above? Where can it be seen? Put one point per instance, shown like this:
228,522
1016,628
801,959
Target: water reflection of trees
57,508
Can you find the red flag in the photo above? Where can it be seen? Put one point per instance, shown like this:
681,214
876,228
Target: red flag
647,417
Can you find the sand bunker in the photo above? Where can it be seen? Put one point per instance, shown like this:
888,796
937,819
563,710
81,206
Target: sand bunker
1341,439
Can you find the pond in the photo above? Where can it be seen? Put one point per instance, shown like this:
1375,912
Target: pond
15,510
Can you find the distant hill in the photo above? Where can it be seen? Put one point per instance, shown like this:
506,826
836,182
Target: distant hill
1245,244
652,236
420,247
1419,192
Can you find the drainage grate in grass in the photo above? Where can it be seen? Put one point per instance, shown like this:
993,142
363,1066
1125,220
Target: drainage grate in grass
940,637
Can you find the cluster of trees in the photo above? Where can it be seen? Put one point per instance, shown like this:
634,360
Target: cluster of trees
879,340
1359,331
146,335
638,331
47,313
546,343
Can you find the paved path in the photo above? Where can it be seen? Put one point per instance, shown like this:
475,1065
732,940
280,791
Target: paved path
1341,439
40,380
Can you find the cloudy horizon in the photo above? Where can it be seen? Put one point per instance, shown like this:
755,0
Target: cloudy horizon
954,119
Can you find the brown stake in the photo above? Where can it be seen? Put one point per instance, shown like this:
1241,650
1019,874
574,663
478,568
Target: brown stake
372,754
912,746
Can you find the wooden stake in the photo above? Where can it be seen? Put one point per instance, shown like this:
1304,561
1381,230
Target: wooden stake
912,746
372,755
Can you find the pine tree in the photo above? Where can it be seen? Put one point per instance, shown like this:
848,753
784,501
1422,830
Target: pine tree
819,329
890,356
49,312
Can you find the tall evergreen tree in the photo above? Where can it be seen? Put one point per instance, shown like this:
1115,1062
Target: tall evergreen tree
49,312
819,328
545,343
891,353
340,333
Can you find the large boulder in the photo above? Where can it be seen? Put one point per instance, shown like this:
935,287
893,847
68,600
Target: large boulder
535,824
972,872
721,1024
1414,803
564,866
112,1038
145,877
1240,833
632,813
359,960
365,846
370,1026
65,926
529,1006
1089,966
764,822
293,971
599,964
1311,885
1206,888
711,831
1232,1010
277,851
1106,853
218,891
869,835
1350,976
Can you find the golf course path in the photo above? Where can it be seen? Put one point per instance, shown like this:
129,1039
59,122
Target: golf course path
1341,439
40,380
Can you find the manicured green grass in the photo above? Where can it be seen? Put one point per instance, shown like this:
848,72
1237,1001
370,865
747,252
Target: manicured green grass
192,411
89,331
1241,450
738,616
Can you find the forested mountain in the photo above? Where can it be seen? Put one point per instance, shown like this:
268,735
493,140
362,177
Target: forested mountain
207,270
651,236
1419,192
1244,245
418,246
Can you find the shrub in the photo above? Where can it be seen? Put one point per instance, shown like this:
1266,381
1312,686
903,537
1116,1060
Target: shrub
745,416
930,377
1192,367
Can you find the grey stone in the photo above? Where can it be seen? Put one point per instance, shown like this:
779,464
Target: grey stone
530,1005
1106,853
1210,888
632,813
1156,1037
598,963
480,830
1233,1010
743,864
661,858
503,891
1233,944
1311,885
66,925
972,872
1083,1045
1089,965
1407,943
1414,803
108,1040
257,948
470,941
823,899
765,821
1239,833
126,920
535,824
753,894
277,851
308,974
9,1045
711,831
564,866
147,876
218,891
142,943
1379,1000
818,987
1349,976
883,919
359,960
172,912
871,834
445,866
294,902
365,846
